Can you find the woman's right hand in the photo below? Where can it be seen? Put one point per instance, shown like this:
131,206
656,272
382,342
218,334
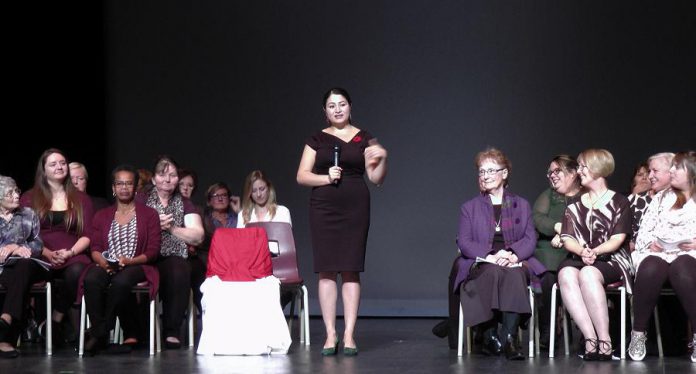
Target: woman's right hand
54,257
166,221
556,242
335,174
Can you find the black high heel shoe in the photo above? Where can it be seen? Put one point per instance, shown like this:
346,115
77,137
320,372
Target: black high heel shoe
604,350
592,354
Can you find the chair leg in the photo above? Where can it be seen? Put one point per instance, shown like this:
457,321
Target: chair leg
552,323
532,325
153,328
83,327
566,331
623,322
305,314
291,316
659,333
460,333
49,319
191,319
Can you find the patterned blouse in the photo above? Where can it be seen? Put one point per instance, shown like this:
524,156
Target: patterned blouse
592,227
639,204
663,222
22,229
123,238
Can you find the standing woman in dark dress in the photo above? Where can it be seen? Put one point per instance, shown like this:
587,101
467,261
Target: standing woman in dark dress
66,218
340,210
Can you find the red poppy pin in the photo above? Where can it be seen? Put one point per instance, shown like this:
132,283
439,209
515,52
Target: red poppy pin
357,139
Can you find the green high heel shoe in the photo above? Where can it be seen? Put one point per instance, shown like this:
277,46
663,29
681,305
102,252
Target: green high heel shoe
331,351
350,351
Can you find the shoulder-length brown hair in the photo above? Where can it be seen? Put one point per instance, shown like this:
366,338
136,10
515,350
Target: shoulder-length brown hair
42,197
686,160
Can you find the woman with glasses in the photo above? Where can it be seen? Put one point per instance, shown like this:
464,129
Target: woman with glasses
594,234
496,240
19,240
666,253
259,202
125,242
548,211
66,218
181,227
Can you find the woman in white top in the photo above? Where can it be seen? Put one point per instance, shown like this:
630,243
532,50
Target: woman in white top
666,251
259,202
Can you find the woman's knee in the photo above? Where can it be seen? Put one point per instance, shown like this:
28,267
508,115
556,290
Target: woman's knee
590,275
568,276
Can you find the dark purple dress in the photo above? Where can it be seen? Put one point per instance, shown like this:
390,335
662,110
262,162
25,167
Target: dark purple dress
339,214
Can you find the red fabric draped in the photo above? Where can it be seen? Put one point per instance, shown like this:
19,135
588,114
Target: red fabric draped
239,255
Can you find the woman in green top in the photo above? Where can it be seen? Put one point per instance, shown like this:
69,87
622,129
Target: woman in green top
548,213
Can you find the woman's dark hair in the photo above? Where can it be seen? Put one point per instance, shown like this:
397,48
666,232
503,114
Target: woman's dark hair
336,91
128,168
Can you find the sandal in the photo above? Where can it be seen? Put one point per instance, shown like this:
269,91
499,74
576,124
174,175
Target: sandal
591,354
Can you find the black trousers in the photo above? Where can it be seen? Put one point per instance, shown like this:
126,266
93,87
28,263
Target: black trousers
109,296
17,280
175,287
66,291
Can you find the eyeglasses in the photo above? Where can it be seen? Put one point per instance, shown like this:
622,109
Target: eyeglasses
555,172
13,191
124,184
219,196
484,172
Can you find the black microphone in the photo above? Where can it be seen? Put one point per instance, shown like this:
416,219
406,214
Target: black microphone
336,151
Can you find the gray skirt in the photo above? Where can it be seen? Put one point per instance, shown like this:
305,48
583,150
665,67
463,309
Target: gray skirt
490,288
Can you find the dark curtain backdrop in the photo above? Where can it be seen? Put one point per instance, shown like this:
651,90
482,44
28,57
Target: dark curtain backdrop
227,87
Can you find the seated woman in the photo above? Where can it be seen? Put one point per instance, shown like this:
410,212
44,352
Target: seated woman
65,214
221,212
259,205
259,202
495,226
668,220
125,240
19,237
594,233
548,214
656,171
181,227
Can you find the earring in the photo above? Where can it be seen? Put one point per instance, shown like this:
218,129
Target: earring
113,194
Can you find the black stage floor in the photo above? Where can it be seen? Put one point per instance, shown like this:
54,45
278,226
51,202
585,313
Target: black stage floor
395,345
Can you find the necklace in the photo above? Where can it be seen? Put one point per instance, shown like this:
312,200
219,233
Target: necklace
125,212
497,224
593,203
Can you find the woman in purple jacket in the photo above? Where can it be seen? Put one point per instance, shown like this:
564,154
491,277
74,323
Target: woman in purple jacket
125,240
496,240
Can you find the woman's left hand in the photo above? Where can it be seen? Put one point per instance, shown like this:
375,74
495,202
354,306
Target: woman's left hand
124,261
513,259
374,154
690,246
22,251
